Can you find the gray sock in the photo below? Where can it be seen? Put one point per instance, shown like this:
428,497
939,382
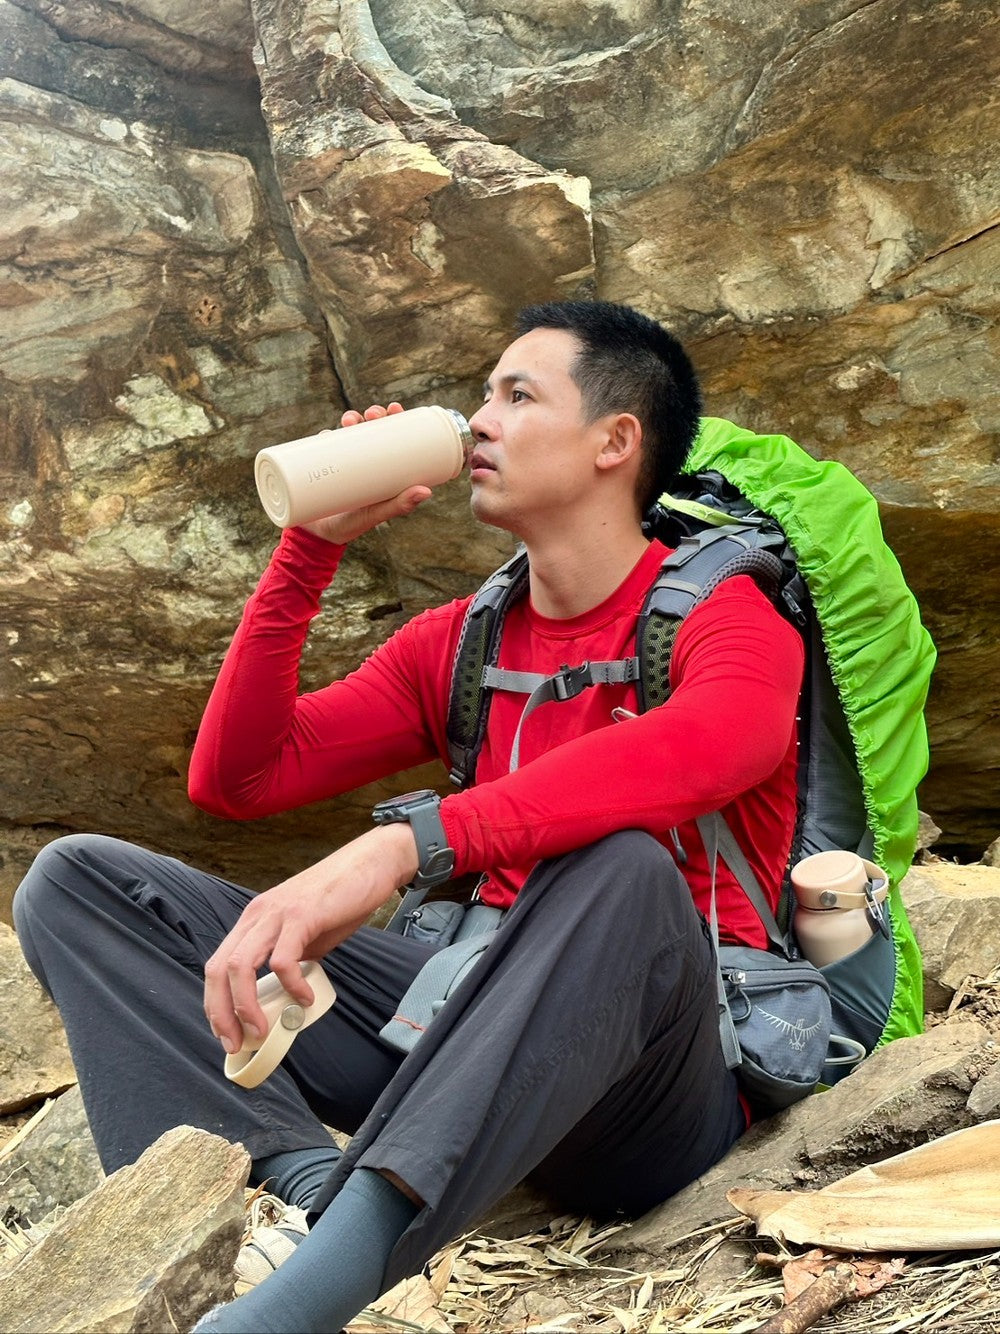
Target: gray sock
297,1175
335,1272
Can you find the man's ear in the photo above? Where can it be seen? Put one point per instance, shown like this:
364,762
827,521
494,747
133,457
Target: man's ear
623,442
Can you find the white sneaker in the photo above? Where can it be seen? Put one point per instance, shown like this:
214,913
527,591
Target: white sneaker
274,1229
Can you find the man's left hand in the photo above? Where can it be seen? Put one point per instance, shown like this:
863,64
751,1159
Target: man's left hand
302,918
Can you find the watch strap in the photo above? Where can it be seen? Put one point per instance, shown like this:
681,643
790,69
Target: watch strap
422,811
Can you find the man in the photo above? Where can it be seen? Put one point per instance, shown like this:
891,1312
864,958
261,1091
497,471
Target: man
583,1048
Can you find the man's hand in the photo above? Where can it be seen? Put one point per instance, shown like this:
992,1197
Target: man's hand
345,527
300,919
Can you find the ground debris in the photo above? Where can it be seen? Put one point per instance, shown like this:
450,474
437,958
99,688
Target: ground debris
536,1283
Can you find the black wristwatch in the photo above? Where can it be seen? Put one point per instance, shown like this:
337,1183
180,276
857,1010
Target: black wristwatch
422,811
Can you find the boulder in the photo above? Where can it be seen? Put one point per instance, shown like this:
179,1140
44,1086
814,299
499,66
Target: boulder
955,914
225,221
150,1250
913,1090
52,1162
928,832
34,1055
392,197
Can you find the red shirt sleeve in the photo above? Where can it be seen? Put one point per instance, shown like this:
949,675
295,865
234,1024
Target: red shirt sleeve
263,748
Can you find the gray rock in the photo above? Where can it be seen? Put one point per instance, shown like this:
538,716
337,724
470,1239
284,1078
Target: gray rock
34,1054
991,857
53,1162
928,832
913,1090
150,1250
955,914
392,197
178,35
984,1100
221,220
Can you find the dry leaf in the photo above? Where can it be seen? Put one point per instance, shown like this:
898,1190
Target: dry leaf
628,1320
413,1300
443,1270
797,1274
645,1294
870,1273
874,1274
565,1260
939,1196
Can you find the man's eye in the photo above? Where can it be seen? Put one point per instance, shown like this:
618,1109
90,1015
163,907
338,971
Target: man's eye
516,395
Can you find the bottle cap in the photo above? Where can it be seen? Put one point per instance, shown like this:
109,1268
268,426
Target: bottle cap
837,879
285,1019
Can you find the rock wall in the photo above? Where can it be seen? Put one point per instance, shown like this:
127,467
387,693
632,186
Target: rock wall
222,224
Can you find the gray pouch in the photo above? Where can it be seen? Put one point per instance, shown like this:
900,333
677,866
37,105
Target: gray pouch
436,981
435,923
779,1019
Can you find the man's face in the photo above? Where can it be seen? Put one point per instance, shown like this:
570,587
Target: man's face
535,452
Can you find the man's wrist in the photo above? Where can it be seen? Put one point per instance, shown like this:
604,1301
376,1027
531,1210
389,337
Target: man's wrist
401,851
421,811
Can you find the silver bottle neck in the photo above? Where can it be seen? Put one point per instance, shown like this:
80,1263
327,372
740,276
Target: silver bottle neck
465,436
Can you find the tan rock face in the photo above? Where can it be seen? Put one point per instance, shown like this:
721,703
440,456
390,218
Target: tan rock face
398,206
222,223
34,1055
152,1248
955,914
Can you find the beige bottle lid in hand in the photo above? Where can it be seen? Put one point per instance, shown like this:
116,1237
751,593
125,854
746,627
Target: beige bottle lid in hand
286,1018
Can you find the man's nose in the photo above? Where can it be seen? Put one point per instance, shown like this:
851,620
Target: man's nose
481,423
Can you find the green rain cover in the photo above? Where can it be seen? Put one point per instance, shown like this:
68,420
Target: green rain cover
880,655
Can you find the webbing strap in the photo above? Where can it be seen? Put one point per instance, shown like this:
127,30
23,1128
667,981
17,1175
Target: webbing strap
708,827
718,838
565,684
732,854
706,513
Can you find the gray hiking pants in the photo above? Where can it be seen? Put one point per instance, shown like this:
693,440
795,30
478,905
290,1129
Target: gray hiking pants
582,1050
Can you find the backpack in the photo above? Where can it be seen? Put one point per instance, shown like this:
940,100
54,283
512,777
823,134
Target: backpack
809,533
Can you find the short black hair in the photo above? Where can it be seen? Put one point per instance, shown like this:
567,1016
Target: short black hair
629,363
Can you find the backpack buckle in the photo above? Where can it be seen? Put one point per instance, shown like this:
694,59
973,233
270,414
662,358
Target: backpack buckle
571,681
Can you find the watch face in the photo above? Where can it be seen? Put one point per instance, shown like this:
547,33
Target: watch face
423,795
397,805
395,809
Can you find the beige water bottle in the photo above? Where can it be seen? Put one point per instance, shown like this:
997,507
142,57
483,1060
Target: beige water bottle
839,898
335,471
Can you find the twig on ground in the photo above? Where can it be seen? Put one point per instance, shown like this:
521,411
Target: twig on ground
834,1286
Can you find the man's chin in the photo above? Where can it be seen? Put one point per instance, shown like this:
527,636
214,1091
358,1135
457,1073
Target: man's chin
484,511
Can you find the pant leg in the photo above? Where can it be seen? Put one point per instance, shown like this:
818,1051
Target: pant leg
119,938
583,1045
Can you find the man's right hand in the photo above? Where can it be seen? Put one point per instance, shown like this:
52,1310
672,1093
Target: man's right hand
345,527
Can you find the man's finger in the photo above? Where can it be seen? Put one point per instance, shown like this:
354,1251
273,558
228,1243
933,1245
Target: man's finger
231,987
286,964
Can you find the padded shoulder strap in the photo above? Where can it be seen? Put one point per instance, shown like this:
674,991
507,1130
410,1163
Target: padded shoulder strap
687,577
478,647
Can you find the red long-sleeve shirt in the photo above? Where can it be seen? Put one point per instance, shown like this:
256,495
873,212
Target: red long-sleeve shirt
726,738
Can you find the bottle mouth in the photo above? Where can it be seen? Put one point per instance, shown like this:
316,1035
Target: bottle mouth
272,490
465,437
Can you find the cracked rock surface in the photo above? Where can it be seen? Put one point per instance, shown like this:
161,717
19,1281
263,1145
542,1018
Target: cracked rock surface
224,224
